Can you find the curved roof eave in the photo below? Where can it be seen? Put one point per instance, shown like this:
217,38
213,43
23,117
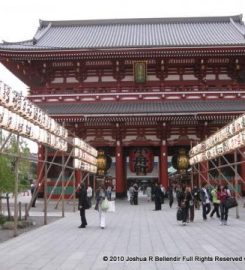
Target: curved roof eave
115,49
237,18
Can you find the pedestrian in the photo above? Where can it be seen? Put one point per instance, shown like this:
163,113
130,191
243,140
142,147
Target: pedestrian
100,197
33,193
148,193
158,197
178,191
108,191
227,190
196,195
185,197
205,199
191,210
135,194
216,201
82,204
89,194
170,195
131,194
222,196
163,189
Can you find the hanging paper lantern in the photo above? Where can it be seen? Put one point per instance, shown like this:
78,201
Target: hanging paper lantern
141,160
2,116
180,161
1,92
101,163
77,163
6,95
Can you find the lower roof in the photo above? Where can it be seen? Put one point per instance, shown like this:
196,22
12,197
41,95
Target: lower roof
185,107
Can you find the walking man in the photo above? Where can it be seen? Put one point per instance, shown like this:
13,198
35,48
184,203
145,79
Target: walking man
205,198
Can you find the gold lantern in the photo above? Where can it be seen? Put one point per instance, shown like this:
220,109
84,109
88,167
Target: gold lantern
101,163
182,161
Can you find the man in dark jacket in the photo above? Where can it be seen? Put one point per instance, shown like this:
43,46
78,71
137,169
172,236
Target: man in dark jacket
82,204
158,197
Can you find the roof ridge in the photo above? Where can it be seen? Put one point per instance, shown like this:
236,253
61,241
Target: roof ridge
237,18
39,35
237,28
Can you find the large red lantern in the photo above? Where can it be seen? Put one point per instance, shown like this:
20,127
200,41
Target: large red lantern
141,161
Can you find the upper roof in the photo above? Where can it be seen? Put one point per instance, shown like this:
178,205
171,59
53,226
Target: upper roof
134,33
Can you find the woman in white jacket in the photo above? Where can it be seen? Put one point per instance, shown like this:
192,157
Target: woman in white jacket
100,197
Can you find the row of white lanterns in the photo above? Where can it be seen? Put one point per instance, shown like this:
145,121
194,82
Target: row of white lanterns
17,124
80,154
84,166
21,116
85,156
15,102
223,148
223,134
78,143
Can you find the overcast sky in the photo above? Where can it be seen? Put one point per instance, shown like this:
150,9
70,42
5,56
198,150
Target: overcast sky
19,19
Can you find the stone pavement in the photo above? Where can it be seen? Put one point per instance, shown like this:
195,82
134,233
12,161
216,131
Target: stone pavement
134,232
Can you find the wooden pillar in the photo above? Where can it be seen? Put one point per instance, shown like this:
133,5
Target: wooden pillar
40,169
78,177
203,174
41,156
163,164
204,167
120,188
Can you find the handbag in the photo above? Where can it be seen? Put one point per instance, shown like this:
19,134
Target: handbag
179,214
104,205
87,203
230,202
112,207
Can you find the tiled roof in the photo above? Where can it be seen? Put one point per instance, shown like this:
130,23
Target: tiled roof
129,108
135,33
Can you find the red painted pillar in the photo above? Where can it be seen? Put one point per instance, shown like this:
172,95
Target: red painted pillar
40,168
78,177
119,170
203,175
40,163
203,166
163,162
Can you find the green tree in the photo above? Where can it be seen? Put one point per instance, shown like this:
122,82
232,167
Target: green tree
6,175
7,165
6,172
24,163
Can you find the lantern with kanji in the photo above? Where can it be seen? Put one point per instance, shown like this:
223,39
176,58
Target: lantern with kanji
101,163
141,161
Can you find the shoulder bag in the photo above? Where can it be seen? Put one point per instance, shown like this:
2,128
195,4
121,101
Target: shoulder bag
230,202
